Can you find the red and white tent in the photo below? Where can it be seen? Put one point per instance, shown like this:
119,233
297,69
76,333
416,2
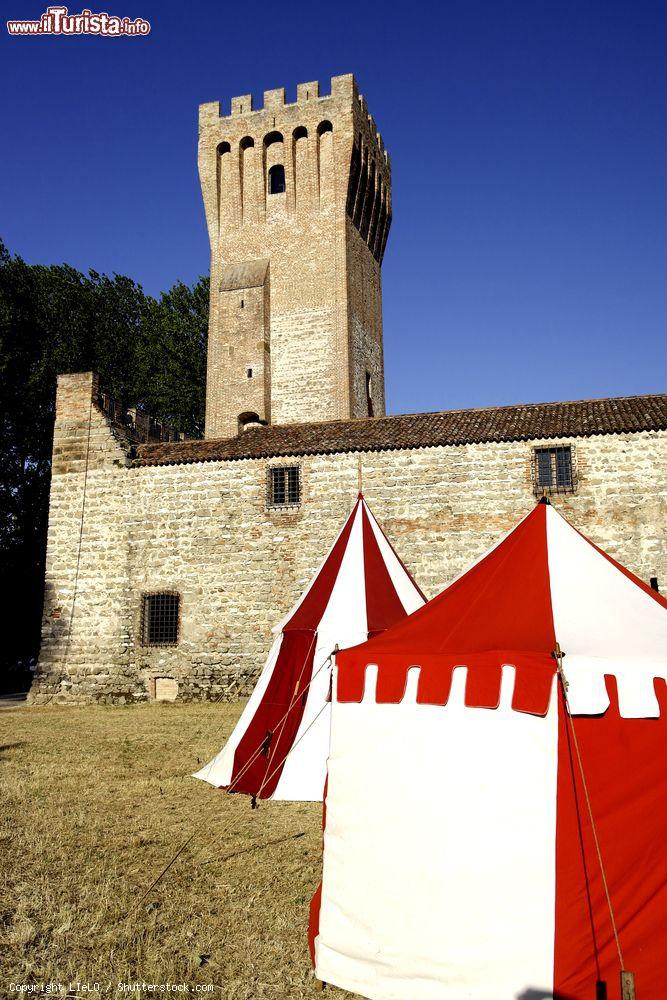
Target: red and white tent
280,745
459,851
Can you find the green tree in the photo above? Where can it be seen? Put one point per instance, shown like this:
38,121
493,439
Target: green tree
54,319
170,359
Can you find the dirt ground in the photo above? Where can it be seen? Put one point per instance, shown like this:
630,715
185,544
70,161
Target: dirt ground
94,802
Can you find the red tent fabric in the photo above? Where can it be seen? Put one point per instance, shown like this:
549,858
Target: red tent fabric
459,853
280,745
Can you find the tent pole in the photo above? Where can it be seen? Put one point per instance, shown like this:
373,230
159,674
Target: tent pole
360,474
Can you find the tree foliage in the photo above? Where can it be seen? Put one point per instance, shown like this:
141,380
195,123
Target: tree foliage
151,353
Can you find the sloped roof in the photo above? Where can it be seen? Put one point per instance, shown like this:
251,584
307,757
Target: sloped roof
249,274
522,422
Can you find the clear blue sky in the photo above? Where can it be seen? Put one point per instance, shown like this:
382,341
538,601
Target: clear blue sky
528,255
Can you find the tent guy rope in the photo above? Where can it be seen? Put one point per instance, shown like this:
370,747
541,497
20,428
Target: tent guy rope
274,739
295,744
627,978
238,777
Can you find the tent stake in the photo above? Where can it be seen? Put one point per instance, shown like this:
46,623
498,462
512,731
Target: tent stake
628,986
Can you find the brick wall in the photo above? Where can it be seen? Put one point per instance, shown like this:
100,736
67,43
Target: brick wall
325,301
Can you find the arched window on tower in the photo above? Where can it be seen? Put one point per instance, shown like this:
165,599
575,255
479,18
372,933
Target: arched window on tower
272,137
277,179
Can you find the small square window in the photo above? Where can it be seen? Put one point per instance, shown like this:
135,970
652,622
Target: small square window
284,486
160,615
553,470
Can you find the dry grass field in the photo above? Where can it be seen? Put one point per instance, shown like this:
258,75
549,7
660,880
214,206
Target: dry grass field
93,804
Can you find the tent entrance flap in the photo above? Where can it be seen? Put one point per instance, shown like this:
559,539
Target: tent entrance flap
275,724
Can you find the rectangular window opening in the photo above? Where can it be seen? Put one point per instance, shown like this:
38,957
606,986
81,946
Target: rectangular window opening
160,619
553,470
284,486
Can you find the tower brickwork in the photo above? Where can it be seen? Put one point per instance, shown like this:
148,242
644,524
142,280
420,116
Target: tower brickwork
298,207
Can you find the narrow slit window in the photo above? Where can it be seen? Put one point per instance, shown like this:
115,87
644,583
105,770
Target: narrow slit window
277,179
284,486
369,395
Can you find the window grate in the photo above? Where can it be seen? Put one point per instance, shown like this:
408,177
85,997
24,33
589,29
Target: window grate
554,470
284,486
160,619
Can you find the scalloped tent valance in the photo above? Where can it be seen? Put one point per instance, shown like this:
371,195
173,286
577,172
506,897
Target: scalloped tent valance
543,583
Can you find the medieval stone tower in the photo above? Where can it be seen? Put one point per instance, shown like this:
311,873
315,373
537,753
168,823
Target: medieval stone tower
298,207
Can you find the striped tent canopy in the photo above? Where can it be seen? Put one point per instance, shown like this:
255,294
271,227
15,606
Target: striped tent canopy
496,811
280,745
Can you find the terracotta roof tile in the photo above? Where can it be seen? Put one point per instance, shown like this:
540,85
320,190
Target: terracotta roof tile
579,418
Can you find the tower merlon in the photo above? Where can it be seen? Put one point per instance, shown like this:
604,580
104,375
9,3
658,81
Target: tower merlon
274,99
242,105
209,113
342,88
307,92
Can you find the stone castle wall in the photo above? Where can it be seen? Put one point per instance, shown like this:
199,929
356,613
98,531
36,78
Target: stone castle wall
204,531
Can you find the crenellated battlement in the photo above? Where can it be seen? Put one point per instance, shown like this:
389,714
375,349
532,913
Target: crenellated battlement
343,96
341,88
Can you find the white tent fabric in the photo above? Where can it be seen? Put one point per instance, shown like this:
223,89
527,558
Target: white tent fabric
360,589
606,624
459,861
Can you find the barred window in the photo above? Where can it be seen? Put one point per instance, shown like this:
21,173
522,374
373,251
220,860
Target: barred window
160,619
284,486
554,470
